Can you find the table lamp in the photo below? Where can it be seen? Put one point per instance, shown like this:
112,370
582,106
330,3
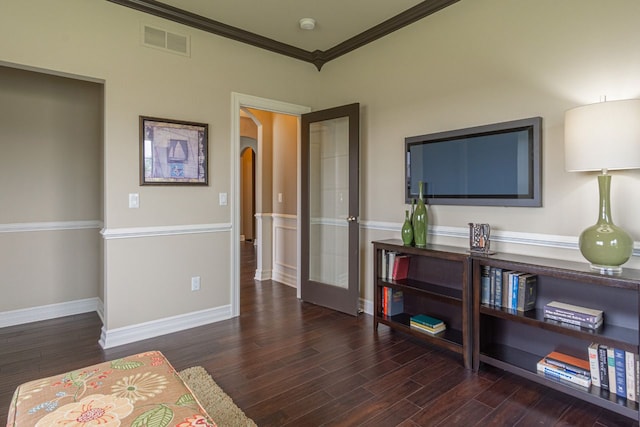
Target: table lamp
603,137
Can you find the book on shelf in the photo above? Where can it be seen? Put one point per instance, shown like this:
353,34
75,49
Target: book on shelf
576,320
620,369
630,370
637,375
573,311
425,323
562,375
423,328
593,364
497,298
508,287
391,259
485,285
384,263
505,288
425,320
616,370
492,286
603,367
512,299
611,367
392,301
400,267
526,293
571,364
576,324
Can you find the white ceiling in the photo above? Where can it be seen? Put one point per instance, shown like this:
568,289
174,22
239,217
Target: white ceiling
336,20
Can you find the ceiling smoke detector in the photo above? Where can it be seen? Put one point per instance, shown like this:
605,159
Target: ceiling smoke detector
307,23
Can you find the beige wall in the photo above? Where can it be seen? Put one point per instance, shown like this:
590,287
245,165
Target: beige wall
476,62
285,160
101,40
51,178
481,62
264,161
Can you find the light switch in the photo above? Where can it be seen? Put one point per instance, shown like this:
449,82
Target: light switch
134,200
279,197
223,199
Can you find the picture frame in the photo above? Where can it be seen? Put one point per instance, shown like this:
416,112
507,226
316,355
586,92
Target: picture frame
480,239
173,152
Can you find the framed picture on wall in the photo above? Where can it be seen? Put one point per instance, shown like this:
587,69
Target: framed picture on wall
173,152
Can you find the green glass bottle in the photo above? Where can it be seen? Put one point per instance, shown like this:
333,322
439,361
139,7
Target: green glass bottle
420,220
407,230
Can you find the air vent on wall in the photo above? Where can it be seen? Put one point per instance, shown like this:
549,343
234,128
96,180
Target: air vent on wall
164,40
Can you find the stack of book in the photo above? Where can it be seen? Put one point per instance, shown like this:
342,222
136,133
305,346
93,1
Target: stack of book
428,324
574,315
508,289
566,368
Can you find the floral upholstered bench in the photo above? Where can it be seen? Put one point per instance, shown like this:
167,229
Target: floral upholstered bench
139,390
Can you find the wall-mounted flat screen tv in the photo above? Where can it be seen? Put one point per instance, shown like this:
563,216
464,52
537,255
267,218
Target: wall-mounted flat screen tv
492,165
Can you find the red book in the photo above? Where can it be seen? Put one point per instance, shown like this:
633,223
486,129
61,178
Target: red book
385,290
401,267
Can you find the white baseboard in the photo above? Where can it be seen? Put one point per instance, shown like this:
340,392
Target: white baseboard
262,275
51,311
285,278
367,306
128,334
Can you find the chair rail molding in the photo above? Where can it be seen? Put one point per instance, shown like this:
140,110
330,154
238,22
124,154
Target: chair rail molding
169,230
22,227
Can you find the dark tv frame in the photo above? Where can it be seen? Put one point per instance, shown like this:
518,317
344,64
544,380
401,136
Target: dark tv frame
532,124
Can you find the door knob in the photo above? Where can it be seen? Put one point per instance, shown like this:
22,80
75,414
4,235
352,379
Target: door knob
351,218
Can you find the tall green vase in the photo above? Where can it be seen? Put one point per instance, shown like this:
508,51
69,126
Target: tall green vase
407,230
420,220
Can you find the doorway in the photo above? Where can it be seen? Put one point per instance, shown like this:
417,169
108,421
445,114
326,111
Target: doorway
264,229
248,156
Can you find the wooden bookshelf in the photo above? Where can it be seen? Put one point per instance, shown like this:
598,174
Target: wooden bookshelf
438,284
516,341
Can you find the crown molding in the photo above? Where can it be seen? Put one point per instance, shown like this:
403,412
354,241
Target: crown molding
317,57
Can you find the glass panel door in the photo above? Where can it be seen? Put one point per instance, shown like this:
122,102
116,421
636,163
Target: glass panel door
330,208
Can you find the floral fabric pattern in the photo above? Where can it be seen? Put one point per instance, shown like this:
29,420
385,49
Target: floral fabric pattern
139,390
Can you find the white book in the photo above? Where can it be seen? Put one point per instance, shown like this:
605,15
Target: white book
384,264
630,365
392,261
593,364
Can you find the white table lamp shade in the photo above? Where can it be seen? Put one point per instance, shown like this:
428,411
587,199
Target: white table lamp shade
603,136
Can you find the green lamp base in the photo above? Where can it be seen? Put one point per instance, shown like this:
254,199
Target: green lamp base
605,245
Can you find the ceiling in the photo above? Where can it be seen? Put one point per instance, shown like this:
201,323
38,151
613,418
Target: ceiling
341,26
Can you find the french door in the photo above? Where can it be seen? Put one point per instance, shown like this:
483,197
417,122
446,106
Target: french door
330,208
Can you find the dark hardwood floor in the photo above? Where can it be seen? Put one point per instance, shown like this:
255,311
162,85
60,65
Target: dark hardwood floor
290,363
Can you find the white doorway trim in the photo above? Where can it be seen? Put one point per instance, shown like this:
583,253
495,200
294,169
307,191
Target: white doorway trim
238,101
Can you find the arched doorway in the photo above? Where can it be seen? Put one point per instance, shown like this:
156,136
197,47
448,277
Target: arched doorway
247,189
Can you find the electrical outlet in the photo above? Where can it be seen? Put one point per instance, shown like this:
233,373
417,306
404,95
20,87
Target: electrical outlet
195,283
